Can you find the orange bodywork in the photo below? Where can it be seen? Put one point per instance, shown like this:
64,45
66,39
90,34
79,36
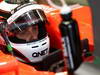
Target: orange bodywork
10,66
84,18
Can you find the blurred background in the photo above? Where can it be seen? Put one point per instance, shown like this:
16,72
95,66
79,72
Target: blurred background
69,2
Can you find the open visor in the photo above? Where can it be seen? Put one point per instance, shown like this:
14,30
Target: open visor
34,20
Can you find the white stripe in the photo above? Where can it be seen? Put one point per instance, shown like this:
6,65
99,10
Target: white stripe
21,11
76,6
39,15
3,63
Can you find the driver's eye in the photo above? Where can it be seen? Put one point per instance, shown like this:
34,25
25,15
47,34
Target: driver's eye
35,28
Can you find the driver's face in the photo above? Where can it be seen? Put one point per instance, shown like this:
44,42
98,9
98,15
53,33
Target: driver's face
28,33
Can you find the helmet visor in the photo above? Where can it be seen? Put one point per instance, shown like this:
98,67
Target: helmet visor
27,19
30,26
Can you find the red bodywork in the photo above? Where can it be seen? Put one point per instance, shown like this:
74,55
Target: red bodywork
84,18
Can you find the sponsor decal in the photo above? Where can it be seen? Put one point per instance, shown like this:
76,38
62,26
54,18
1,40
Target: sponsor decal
41,53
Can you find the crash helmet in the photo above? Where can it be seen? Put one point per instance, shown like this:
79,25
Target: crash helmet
30,40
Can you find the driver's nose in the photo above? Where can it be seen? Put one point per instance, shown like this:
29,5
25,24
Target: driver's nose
33,33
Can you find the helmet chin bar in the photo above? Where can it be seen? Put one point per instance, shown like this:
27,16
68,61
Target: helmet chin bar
33,51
